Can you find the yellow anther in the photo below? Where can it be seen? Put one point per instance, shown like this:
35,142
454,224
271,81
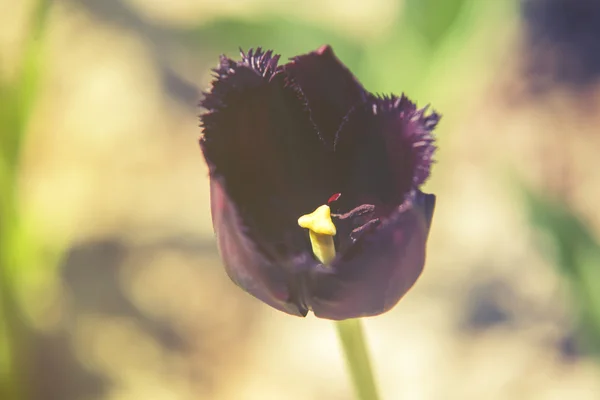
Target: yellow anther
321,231
319,221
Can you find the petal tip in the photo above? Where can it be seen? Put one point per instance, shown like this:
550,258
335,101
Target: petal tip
328,87
255,66
417,130
325,49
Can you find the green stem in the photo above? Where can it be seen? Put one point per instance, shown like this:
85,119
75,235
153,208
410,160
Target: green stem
351,337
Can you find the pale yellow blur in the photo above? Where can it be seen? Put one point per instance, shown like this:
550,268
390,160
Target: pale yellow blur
112,167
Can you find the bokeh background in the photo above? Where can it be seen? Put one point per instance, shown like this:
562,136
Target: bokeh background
110,282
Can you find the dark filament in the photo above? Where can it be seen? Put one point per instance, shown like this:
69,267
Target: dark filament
360,211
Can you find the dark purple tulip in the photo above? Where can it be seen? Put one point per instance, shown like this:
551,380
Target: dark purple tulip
280,140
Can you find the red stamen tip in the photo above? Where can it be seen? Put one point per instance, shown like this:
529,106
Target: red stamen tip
334,198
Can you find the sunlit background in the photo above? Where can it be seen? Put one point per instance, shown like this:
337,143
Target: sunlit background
110,282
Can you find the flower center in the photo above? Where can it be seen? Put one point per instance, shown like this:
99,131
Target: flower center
321,231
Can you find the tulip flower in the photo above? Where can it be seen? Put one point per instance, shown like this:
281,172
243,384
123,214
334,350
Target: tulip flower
315,184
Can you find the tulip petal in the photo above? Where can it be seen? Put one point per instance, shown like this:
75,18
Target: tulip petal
329,87
244,263
378,269
385,148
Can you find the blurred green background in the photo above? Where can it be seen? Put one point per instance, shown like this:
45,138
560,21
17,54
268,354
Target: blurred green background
110,282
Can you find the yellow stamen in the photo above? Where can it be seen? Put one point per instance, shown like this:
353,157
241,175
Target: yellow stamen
321,231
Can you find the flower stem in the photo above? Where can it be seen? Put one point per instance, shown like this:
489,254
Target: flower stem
351,337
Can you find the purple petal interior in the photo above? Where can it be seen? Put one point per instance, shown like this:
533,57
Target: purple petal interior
330,89
259,137
384,152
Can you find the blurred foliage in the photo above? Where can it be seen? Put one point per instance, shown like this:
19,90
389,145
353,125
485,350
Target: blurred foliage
422,53
17,248
291,37
572,247
431,18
